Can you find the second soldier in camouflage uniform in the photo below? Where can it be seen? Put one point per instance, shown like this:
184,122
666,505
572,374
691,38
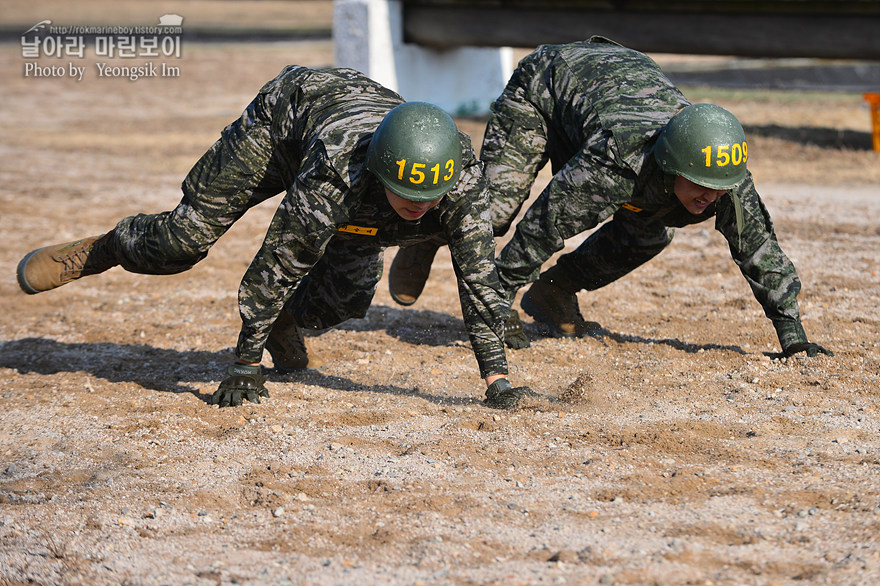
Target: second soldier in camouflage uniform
601,114
314,136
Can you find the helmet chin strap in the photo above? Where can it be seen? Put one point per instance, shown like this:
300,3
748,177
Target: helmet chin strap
738,210
669,183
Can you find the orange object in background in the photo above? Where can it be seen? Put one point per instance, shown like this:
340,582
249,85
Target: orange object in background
873,99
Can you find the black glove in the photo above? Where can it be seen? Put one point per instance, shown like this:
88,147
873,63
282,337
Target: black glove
514,335
243,382
810,348
500,395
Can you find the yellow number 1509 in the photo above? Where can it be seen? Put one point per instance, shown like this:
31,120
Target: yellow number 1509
726,154
417,172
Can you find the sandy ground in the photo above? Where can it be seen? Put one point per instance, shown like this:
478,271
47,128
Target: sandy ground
686,453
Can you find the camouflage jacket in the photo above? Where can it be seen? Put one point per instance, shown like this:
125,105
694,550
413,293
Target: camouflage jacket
603,107
320,124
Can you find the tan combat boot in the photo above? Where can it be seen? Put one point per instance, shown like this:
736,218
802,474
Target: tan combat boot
409,271
287,346
556,308
50,267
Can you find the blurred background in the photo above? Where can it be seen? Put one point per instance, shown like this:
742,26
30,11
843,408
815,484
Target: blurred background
230,48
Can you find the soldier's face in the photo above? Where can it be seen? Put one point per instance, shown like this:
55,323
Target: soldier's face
410,210
695,198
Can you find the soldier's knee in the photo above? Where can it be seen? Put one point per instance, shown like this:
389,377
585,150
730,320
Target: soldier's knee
157,263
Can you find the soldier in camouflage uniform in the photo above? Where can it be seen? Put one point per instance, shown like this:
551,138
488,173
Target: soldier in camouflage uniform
624,145
360,170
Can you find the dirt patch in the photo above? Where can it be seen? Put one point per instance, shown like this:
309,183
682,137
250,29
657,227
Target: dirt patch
681,453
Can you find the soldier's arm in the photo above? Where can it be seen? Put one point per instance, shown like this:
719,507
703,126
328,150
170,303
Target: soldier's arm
585,192
468,230
303,224
770,273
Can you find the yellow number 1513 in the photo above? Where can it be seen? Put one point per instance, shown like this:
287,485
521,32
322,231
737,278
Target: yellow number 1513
726,154
417,172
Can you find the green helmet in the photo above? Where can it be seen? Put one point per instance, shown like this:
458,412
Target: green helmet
705,144
416,152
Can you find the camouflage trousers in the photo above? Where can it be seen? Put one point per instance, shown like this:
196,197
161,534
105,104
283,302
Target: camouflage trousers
517,144
617,248
241,170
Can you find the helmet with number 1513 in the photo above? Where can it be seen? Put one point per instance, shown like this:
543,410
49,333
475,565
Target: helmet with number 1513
705,144
416,152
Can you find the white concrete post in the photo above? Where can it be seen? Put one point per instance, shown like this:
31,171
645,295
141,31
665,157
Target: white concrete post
368,37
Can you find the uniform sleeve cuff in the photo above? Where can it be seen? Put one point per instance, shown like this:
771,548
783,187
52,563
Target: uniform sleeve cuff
491,368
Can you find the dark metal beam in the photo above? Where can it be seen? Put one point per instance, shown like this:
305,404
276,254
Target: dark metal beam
774,28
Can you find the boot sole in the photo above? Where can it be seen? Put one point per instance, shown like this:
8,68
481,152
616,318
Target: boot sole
410,300
407,299
20,274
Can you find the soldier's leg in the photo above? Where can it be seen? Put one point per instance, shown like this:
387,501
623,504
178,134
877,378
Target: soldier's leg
410,270
234,175
239,171
339,287
615,249
513,151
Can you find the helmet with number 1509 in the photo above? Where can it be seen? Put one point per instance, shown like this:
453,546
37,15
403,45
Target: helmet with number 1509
416,152
705,144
